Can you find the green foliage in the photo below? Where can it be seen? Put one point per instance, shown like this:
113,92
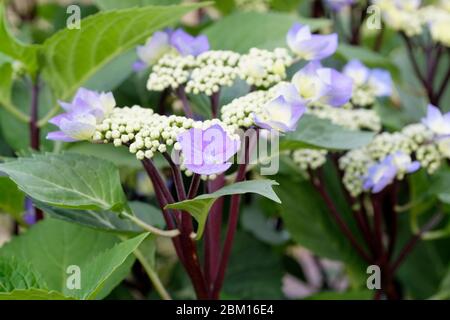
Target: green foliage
71,57
52,246
26,54
18,275
68,181
311,225
245,30
199,206
121,4
11,198
259,277
315,132
107,220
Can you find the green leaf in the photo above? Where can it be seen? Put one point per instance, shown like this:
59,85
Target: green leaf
33,294
121,4
199,206
71,57
243,30
68,180
107,220
440,186
18,275
12,200
51,246
103,267
311,225
254,272
321,133
26,54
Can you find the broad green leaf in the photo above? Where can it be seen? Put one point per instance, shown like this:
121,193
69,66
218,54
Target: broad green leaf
121,157
107,220
262,227
103,267
121,4
6,81
368,57
71,57
18,275
11,198
33,294
255,271
26,54
444,289
68,180
321,133
241,31
440,186
199,206
311,225
51,246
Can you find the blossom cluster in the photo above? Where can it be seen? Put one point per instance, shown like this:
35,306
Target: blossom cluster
412,18
391,156
264,68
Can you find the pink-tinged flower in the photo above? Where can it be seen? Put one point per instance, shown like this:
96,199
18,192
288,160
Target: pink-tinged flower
383,173
187,44
378,80
311,46
86,110
207,151
437,122
153,49
282,113
315,83
338,5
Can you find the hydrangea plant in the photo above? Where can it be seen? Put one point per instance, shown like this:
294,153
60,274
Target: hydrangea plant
213,150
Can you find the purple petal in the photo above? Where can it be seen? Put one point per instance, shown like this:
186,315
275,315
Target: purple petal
380,80
357,71
339,87
139,65
59,136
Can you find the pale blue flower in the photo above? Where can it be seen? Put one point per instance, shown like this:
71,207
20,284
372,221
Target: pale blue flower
310,46
437,122
378,80
380,175
153,49
187,44
384,173
87,109
282,113
207,151
315,83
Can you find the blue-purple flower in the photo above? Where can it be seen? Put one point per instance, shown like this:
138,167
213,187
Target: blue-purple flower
187,44
384,173
153,49
282,113
315,83
310,46
86,110
207,151
379,81
437,122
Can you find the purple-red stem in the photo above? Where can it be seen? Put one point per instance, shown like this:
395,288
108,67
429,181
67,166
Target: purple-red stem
232,224
212,231
181,93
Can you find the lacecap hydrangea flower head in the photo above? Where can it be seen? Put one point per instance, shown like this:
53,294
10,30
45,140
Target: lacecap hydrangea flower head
87,109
